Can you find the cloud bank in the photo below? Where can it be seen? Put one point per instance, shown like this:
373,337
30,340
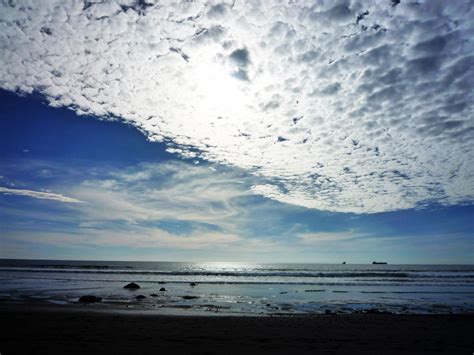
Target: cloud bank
344,106
171,191
171,205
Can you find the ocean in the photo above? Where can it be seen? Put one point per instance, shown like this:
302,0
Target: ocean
241,288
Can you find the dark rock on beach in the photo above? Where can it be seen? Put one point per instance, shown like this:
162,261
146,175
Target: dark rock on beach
162,289
192,284
90,299
140,297
190,297
376,311
154,295
132,286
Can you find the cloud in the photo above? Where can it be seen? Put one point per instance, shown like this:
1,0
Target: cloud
170,205
324,237
141,238
39,194
182,197
166,191
344,106
351,244
241,58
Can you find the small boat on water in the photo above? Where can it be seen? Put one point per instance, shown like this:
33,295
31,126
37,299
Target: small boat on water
379,263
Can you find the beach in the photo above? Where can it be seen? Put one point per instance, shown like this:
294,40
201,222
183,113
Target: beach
242,288
59,307
54,329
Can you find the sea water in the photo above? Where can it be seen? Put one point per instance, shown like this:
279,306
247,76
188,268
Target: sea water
243,288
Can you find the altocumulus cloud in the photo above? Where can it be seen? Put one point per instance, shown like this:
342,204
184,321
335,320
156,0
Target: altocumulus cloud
340,106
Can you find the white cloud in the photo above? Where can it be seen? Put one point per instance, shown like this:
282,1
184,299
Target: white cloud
324,237
141,238
171,205
166,191
39,194
342,106
144,193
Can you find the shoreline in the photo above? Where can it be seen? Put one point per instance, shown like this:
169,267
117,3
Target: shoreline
241,290
196,307
58,330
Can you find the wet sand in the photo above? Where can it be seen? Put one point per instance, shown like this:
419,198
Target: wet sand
59,330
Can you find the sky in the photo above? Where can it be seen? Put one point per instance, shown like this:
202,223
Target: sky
274,131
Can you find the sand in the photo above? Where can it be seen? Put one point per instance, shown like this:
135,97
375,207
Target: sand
57,330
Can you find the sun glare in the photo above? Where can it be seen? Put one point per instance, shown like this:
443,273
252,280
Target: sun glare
219,94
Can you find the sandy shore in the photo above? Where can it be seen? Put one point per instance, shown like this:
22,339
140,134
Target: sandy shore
54,330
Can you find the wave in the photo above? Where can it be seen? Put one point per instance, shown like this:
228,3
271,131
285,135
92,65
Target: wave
419,292
265,282
304,274
257,268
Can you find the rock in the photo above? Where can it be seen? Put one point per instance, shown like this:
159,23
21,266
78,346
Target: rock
376,311
154,295
190,297
90,299
192,284
162,289
161,282
327,311
140,297
132,286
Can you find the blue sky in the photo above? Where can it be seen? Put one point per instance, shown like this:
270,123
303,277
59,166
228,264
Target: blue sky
294,131
200,211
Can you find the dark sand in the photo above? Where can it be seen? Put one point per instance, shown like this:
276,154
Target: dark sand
55,330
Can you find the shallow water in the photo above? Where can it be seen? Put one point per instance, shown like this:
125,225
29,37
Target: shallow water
244,288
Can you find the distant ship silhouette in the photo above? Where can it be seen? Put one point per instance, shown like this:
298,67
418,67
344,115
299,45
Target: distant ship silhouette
379,262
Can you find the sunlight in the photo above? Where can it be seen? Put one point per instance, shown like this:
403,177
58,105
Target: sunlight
217,266
219,93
